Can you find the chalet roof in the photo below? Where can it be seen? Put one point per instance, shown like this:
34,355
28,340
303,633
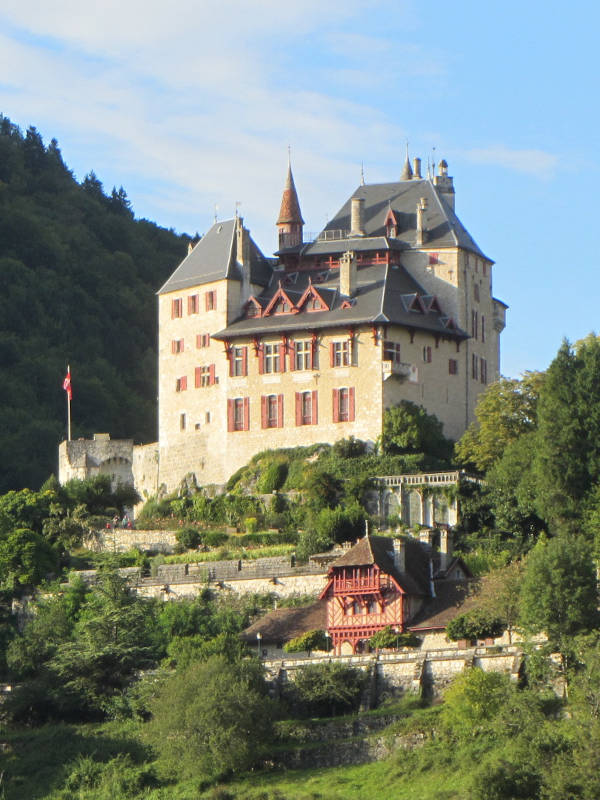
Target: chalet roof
442,226
284,624
384,295
379,550
214,258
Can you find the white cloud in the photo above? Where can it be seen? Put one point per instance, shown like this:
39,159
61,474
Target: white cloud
532,162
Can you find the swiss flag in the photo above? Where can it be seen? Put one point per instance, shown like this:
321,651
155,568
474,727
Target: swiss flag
67,384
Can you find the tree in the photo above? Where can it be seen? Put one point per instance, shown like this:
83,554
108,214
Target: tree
473,700
311,640
505,411
499,596
567,453
211,719
559,594
408,428
327,689
26,559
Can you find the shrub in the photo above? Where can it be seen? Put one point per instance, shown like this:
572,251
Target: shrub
389,638
476,624
213,538
311,640
251,524
273,477
327,689
188,537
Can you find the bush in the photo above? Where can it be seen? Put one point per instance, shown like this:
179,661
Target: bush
476,624
188,538
251,524
389,638
213,538
272,478
327,689
311,640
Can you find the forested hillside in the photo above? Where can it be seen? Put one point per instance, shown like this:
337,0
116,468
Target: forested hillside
78,275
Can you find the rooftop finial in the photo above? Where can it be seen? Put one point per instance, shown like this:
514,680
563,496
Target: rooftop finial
362,174
238,203
216,213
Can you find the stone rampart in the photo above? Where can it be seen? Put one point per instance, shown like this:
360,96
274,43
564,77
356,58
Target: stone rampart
422,672
120,540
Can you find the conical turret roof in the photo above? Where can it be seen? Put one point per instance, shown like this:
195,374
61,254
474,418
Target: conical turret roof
290,207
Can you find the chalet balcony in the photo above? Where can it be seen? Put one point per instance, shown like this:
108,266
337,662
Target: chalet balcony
361,585
399,369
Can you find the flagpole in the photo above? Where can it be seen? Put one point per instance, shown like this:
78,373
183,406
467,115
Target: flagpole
69,405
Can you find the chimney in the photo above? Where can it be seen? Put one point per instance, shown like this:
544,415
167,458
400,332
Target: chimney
417,168
421,232
357,217
348,274
445,184
399,555
446,547
426,538
243,257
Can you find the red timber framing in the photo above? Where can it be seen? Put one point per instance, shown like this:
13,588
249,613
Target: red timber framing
361,601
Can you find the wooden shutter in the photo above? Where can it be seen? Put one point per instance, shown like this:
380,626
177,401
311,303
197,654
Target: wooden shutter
280,411
244,360
351,404
264,411
230,415
198,377
261,358
336,405
292,352
211,375
282,357
173,346
315,408
298,408
183,383
332,354
246,413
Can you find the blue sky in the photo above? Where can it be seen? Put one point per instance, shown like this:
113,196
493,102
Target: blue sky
192,104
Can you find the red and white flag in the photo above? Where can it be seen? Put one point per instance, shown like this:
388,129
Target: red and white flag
67,384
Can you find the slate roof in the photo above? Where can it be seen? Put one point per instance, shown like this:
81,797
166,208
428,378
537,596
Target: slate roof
379,550
441,224
214,258
452,598
284,624
383,296
290,206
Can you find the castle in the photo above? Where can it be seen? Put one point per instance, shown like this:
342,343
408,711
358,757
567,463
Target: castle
391,301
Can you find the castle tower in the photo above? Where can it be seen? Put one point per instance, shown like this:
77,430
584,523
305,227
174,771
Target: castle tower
289,221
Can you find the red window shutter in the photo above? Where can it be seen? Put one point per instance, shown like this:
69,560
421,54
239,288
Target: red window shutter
280,411
336,405
282,357
231,360
173,309
211,375
230,415
331,354
206,301
263,411
351,404
173,346
190,304
292,352
246,413
183,383
261,358
197,378
298,408
244,361
315,408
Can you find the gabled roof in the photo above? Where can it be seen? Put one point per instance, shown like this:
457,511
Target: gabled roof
376,300
442,226
214,258
379,550
284,624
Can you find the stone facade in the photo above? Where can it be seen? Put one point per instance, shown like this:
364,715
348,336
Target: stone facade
86,458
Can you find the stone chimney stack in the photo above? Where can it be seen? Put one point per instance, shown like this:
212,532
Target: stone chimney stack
421,232
243,257
417,168
445,184
348,274
357,222
399,555
426,538
446,547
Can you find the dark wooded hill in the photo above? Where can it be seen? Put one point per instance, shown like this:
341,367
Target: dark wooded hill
78,275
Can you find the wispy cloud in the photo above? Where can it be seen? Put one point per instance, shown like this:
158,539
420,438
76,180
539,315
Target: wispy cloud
532,162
